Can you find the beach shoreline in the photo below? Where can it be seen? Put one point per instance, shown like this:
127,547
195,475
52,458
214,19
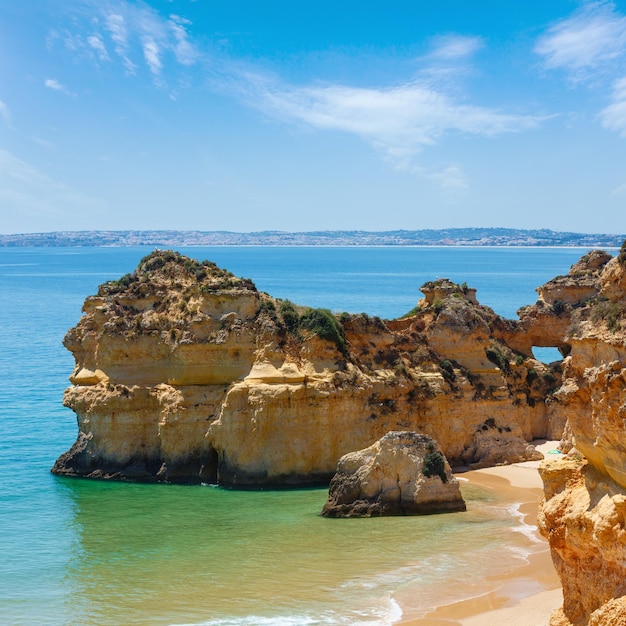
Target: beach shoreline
529,593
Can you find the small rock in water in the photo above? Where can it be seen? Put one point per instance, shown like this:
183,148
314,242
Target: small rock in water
403,473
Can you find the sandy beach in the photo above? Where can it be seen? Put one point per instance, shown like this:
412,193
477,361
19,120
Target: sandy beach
528,594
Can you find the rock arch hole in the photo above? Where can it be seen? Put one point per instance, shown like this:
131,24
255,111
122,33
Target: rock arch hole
547,354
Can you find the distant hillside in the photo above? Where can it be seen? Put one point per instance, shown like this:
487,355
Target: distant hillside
447,237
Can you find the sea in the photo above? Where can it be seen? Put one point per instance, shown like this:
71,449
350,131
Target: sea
96,553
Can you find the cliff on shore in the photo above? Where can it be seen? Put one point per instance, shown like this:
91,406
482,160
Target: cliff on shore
583,515
186,373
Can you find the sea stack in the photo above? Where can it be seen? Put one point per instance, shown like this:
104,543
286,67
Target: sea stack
403,473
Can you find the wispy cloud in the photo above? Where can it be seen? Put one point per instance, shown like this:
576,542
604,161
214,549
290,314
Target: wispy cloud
151,52
590,46
455,47
51,83
185,51
134,33
96,42
400,121
591,39
116,27
613,117
5,114
55,85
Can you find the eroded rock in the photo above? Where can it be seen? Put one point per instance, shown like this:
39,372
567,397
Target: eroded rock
583,515
403,473
186,373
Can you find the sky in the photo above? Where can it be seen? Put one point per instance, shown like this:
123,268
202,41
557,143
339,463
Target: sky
290,115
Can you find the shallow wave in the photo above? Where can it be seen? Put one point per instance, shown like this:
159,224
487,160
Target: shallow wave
528,530
388,615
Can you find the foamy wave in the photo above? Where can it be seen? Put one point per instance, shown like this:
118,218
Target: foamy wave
389,615
528,530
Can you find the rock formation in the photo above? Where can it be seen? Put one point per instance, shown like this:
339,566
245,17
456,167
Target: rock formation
403,473
583,515
185,373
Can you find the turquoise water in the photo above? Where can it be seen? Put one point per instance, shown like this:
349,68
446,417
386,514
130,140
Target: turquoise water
85,552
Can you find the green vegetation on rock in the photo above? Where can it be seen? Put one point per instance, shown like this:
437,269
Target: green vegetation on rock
324,324
435,465
609,312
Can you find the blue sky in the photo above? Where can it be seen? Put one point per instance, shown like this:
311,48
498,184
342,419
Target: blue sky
282,115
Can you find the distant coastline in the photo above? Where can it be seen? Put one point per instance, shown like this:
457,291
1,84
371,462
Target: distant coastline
441,237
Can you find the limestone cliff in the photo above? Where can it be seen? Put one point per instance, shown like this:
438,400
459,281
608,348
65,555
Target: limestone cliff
584,512
186,373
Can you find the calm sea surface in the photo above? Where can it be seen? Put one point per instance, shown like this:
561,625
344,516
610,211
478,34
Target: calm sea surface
96,553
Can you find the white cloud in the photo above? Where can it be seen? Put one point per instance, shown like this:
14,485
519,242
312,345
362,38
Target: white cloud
116,25
591,47
51,83
151,53
613,117
95,41
5,114
400,121
455,47
131,32
593,38
55,85
185,52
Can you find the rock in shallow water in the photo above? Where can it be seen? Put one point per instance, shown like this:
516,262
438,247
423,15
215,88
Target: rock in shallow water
403,473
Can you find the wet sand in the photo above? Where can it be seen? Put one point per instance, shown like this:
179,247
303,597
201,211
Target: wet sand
528,594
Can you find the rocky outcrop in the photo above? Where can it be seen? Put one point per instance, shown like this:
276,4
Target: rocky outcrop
583,518
185,373
403,473
583,515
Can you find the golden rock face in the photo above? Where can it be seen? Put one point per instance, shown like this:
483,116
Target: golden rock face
584,512
186,373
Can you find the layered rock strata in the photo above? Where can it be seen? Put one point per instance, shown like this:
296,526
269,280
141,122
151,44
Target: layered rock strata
185,373
403,473
583,515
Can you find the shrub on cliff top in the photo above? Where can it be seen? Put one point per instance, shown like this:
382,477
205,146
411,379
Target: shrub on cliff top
268,308
324,324
290,315
414,311
207,273
117,286
158,259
